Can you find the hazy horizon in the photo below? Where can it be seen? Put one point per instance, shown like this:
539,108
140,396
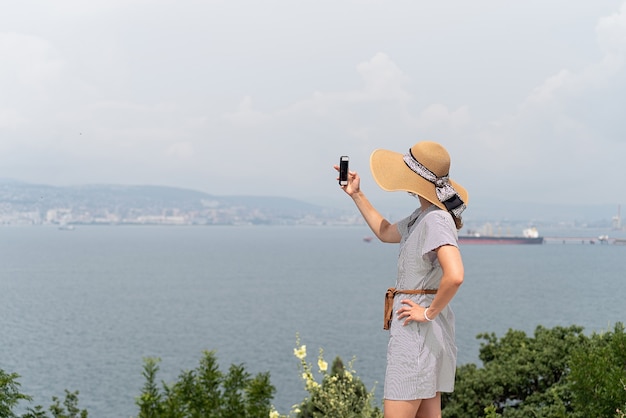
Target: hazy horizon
396,205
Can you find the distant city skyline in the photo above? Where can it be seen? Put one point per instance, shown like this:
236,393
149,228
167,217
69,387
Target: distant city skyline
261,98
36,204
26,203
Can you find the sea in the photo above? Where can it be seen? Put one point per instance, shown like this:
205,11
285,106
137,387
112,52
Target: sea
82,309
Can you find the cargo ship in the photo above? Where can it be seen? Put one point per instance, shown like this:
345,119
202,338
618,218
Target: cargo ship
529,236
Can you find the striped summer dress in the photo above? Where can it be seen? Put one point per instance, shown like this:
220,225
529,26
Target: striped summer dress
421,357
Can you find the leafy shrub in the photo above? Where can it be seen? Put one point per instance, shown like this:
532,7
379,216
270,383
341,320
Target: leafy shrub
598,374
557,373
206,392
519,374
10,394
341,392
10,397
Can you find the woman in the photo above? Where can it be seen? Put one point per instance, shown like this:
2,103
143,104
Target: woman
421,355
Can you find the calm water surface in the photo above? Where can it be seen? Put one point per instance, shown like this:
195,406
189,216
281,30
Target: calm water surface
80,310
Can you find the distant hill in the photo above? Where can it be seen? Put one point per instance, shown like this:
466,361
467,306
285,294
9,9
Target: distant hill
28,203
87,202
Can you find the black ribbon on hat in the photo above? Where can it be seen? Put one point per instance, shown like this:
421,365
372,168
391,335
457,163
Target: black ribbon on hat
445,191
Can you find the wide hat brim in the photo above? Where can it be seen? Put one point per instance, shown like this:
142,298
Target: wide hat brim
392,174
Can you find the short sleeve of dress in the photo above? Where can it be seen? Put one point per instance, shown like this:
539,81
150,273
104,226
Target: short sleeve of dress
439,230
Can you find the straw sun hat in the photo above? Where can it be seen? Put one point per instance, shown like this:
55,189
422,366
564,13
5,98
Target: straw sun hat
424,171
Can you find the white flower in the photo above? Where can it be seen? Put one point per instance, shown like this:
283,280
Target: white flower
322,365
274,414
311,385
300,353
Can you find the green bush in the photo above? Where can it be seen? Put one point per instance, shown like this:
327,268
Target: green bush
206,392
518,375
10,397
598,374
341,392
557,373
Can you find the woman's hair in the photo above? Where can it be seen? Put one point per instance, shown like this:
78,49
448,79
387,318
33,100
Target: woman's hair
458,222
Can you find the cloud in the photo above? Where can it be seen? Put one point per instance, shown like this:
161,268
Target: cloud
545,137
245,114
611,32
568,133
382,80
114,89
379,112
566,84
10,119
550,88
438,115
380,107
27,60
180,150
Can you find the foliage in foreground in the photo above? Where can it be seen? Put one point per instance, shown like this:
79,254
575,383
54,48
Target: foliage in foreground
341,392
206,392
557,373
10,397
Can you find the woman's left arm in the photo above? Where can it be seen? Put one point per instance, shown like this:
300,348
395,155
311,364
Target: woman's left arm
451,263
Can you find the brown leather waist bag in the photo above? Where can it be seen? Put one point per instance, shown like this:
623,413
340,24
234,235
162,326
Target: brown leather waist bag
391,292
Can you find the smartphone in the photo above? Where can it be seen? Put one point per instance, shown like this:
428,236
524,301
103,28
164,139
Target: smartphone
343,170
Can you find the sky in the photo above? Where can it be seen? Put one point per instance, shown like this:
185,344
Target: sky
262,97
